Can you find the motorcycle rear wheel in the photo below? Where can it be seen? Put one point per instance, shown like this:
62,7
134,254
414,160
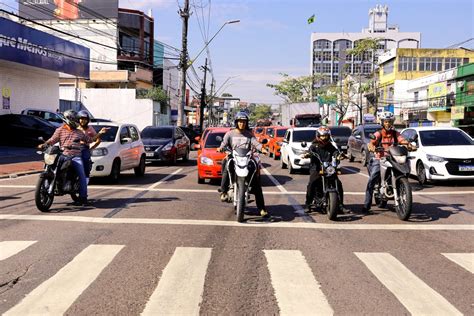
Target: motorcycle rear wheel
404,199
43,199
240,199
331,208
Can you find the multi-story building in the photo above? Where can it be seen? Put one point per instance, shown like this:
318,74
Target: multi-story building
462,114
329,56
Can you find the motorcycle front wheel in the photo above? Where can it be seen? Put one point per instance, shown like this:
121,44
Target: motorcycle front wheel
240,199
43,199
404,199
332,205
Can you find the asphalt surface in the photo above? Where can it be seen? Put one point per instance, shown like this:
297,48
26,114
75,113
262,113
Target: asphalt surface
163,244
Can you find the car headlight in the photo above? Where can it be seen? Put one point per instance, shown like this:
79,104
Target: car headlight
168,146
99,152
49,159
330,170
297,151
206,161
400,159
435,158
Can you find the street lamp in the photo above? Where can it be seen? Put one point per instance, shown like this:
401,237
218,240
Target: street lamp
207,43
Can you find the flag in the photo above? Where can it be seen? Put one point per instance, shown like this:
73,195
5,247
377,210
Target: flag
311,19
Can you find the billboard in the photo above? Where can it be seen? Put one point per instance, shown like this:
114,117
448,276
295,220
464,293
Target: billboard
68,9
437,96
25,45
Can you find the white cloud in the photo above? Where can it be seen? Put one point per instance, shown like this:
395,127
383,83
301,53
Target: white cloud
145,4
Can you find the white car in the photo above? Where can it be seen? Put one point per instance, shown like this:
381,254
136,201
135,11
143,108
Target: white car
121,149
291,149
444,153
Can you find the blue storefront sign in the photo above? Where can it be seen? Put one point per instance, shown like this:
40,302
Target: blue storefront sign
25,45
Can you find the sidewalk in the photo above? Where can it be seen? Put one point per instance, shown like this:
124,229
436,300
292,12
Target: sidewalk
17,161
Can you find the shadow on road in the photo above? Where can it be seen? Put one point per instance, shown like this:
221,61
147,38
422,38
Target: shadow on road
131,179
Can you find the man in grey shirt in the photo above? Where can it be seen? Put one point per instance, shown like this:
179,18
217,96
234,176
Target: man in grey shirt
235,138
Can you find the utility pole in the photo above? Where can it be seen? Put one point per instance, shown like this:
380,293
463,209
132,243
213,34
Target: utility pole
203,98
210,102
184,13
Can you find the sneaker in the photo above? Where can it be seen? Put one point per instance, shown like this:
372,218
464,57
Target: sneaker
224,197
264,214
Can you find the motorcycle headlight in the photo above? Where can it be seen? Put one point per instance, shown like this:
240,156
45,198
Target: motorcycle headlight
241,161
49,159
297,151
206,161
435,158
168,146
400,159
99,152
330,170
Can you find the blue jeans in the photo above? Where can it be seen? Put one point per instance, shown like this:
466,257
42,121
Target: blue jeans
374,177
86,160
78,166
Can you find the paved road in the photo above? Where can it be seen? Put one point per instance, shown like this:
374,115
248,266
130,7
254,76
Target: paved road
165,244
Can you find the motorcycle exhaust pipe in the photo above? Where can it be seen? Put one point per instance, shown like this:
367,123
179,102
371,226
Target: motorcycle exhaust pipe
385,191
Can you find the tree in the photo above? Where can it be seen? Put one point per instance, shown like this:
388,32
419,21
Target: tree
226,95
156,94
293,90
260,112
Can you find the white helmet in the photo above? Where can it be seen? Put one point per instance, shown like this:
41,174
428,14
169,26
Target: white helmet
386,116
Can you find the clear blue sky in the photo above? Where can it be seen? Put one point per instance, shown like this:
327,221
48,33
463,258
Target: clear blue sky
273,35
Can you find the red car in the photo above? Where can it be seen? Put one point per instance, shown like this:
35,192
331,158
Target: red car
274,142
209,161
267,133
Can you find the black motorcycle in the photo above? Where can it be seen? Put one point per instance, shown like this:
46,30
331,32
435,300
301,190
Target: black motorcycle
327,197
394,185
58,178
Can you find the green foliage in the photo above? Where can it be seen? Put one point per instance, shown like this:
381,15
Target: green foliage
261,111
226,95
293,90
156,94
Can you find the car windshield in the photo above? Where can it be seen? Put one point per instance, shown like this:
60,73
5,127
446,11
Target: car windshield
370,130
110,135
444,138
211,140
258,130
157,132
281,132
269,132
340,131
304,136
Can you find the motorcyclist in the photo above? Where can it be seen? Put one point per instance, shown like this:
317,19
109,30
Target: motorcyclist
84,120
241,134
69,138
385,137
323,147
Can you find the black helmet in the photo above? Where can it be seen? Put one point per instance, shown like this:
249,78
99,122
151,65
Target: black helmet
70,118
241,116
84,114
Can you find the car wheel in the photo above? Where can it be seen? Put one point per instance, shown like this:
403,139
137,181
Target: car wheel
421,173
201,180
115,171
186,156
173,160
270,153
140,169
351,157
282,164
275,157
364,158
291,170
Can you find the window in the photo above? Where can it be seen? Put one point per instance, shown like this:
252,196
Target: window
326,68
445,138
134,133
388,67
436,64
326,56
124,133
450,63
280,132
322,44
356,69
318,56
335,68
157,132
407,64
425,64
366,68
317,68
416,96
211,140
288,136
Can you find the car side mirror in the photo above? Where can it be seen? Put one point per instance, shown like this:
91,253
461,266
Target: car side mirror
125,140
41,139
304,144
264,141
357,136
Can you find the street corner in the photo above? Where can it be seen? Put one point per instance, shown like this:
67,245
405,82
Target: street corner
13,170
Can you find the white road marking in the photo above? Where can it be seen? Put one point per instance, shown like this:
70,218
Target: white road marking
465,260
352,171
151,187
132,188
296,289
57,294
180,289
24,176
275,181
11,248
417,297
154,221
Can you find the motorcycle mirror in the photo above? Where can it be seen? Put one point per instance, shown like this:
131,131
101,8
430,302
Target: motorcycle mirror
41,138
219,138
304,144
264,141
371,136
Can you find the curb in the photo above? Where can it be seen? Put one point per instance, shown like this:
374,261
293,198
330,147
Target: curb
19,174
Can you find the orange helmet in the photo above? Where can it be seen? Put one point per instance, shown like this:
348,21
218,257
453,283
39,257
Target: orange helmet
325,132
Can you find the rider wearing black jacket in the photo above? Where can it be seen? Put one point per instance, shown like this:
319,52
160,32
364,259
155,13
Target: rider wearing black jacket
321,146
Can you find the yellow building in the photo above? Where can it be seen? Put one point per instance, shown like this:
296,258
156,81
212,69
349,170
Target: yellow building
398,66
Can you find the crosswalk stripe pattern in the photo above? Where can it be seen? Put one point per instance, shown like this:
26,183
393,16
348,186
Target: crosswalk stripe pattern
180,289
465,260
417,297
296,289
55,295
11,248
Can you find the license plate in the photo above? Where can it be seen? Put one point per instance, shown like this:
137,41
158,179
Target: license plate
466,168
343,147
150,154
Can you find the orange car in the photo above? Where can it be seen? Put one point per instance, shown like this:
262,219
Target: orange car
209,161
266,134
258,130
274,142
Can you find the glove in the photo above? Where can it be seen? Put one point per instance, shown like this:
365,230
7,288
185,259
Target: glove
371,147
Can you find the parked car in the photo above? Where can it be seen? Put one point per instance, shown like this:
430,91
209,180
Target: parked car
121,149
341,134
444,153
291,149
55,119
19,129
209,161
165,143
357,143
275,141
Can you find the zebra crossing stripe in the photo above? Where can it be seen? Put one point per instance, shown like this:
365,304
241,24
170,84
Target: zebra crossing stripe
57,294
11,248
465,260
296,289
417,297
180,289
